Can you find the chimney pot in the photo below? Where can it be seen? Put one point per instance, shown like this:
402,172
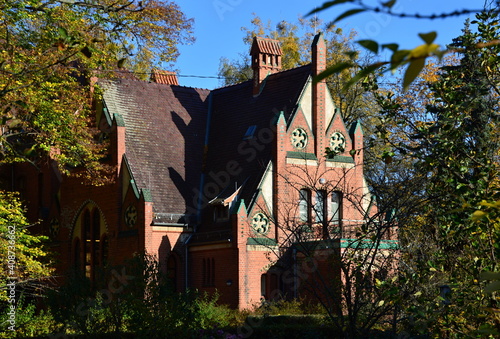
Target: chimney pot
266,59
164,77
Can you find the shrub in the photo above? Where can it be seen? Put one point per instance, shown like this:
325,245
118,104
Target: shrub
28,322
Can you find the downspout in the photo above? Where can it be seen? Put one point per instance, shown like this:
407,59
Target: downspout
200,189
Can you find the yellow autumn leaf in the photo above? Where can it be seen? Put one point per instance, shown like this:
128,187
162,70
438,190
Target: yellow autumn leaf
423,51
478,215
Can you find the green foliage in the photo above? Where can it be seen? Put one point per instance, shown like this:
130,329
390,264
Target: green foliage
24,256
136,298
453,143
30,322
289,307
415,59
49,50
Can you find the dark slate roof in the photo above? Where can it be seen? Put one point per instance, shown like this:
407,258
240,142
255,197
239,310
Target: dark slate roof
165,131
233,110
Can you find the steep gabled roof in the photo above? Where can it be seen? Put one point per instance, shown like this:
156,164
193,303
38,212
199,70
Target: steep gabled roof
234,111
164,134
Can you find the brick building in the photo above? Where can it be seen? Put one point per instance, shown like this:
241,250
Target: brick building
214,183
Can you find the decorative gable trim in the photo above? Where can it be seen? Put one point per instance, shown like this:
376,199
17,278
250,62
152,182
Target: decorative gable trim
241,207
105,111
265,182
304,100
131,182
356,128
337,116
118,119
146,194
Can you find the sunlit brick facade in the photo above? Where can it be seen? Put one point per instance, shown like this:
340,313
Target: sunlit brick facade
212,182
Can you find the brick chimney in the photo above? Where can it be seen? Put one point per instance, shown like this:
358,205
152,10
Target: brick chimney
319,94
164,77
266,59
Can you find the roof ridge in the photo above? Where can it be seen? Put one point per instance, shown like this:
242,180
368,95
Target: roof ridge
280,73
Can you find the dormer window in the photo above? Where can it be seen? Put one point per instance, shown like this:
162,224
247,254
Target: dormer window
250,132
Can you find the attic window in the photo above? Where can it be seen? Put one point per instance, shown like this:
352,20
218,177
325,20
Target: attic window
250,132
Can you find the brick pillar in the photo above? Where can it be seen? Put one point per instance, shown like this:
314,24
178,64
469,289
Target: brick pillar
319,95
279,168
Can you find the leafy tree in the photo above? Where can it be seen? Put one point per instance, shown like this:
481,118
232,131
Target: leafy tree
137,300
48,48
454,145
25,261
415,59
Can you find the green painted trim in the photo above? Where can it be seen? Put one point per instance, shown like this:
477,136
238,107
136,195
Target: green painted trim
132,181
119,120
356,128
261,241
308,246
240,206
146,193
301,155
365,243
341,158
134,188
106,112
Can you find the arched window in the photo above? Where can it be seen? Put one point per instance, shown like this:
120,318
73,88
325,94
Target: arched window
87,244
96,238
94,243
320,208
305,205
336,208
263,285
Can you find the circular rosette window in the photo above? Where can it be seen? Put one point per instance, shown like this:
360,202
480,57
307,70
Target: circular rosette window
260,223
299,138
337,142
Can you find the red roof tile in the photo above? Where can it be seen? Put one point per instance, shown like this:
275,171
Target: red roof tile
164,77
266,45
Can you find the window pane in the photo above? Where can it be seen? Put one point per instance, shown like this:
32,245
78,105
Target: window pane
320,206
304,205
335,208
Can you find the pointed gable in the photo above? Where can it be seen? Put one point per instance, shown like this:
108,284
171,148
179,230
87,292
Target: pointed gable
233,158
164,132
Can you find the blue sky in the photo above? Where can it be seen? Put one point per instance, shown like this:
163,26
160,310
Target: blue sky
218,33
